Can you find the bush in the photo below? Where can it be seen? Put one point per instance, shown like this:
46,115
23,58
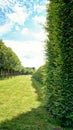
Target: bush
39,74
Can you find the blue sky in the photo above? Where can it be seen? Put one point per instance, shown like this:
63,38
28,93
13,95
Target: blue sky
21,28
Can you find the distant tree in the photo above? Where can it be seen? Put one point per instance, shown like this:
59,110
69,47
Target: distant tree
29,70
3,52
9,62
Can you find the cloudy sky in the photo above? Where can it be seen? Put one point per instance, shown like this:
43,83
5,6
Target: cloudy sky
21,28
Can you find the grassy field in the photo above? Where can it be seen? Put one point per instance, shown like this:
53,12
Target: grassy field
20,107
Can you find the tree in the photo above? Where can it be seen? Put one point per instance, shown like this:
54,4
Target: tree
9,62
3,52
59,55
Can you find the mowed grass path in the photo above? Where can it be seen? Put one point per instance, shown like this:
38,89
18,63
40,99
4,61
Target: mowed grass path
20,107
16,96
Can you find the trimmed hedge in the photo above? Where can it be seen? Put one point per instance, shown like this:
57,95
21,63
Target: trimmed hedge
59,57
39,74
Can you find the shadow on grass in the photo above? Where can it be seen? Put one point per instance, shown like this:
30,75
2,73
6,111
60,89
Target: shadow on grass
35,119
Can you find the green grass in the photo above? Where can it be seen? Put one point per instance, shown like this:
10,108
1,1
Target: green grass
20,107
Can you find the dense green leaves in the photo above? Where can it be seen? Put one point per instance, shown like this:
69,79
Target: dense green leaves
10,63
39,74
59,56
54,61
67,57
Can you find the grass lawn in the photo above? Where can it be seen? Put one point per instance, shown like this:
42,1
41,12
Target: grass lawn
20,107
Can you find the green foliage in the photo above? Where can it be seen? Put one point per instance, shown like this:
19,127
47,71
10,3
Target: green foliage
38,79
39,74
67,57
9,62
59,57
38,86
29,70
54,61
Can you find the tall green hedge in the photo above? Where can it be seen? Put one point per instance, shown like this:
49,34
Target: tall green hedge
59,56
39,74
67,58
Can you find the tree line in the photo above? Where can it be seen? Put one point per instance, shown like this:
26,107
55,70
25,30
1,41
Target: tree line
58,74
10,63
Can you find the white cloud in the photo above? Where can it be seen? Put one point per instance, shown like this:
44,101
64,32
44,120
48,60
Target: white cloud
39,8
31,54
48,2
17,28
39,36
5,5
39,19
5,28
35,35
19,16
17,13
25,31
